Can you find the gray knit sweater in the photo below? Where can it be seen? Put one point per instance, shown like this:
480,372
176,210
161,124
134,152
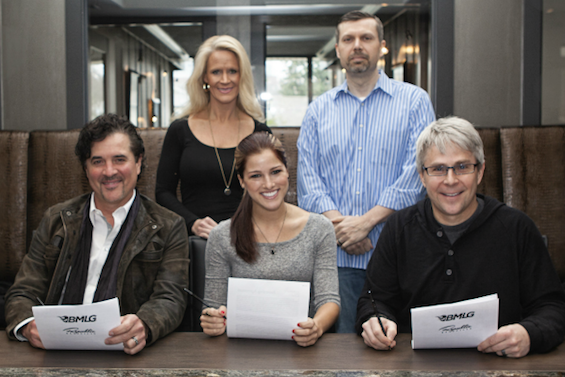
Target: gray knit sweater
310,257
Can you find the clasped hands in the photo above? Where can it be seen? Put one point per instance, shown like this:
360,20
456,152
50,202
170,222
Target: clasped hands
203,227
510,341
130,326
351,234
213,322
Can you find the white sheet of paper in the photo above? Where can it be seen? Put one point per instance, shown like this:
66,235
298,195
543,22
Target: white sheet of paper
266,309
462,324
78,327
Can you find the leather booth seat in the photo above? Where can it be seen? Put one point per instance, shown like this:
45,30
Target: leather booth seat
39,169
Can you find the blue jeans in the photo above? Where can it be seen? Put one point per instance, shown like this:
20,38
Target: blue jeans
351,282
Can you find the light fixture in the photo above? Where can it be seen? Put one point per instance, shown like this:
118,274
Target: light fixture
384,50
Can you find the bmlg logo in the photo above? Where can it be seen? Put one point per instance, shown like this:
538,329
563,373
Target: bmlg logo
452,317
73,319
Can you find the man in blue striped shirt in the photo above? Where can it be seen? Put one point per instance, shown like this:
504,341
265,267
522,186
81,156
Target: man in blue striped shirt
356,162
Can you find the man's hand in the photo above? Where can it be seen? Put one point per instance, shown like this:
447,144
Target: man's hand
213,321
511,340
307,333
350,230
30,332
130,327
361,247
373,334
203,227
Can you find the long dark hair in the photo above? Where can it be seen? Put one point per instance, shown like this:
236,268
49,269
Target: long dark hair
241,228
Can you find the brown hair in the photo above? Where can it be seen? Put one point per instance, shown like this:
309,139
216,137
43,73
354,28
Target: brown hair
356,15
241,228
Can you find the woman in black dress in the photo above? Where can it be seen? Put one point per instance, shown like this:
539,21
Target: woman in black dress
199,146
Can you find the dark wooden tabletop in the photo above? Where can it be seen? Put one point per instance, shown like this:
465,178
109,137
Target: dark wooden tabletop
332,352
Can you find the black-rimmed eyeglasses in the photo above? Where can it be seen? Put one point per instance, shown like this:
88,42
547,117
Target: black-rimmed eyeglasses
440,170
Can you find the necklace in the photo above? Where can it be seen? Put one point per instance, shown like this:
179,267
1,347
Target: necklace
227,190
272,245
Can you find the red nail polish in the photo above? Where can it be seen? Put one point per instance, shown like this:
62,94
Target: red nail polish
223,312
299,325
292,330
293,337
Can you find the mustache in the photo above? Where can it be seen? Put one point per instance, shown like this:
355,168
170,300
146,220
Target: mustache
358,55
112,178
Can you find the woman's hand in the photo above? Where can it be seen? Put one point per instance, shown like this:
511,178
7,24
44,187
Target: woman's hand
202,227
213,321
307,333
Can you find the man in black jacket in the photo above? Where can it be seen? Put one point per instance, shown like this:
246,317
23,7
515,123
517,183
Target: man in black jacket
457,245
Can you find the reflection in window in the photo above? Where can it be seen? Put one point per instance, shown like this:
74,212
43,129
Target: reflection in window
288,93
97,103
553,63
180,96
287,86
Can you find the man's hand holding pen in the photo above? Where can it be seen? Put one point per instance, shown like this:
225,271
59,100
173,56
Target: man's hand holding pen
374,336
213,321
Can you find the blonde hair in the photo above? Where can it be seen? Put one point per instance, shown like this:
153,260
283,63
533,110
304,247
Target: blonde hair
199,99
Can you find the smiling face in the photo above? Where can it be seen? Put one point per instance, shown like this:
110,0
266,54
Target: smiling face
222,74
359,47
112,172
265,179
453,196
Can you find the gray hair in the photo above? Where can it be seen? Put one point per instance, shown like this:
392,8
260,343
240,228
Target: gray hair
445,131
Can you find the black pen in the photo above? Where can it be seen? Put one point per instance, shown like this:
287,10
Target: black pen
199,299
377,312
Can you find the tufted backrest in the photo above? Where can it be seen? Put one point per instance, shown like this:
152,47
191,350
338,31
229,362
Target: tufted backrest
492,180
288,137
55,174
13,201
533,173
153,142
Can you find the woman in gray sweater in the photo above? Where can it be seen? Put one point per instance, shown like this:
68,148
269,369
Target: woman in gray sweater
268,238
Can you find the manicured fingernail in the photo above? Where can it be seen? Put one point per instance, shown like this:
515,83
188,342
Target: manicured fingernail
223,312
293,337
292,330
299,325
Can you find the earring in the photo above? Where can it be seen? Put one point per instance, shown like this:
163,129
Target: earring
206,86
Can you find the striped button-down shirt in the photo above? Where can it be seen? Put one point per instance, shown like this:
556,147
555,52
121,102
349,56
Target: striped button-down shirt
355,154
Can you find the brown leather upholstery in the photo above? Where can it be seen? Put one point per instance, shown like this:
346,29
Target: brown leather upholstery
153,142
13,201
492,180
534,181
55,174
288,137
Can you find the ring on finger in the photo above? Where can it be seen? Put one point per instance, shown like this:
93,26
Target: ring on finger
135,340
208,314
339,243
503,352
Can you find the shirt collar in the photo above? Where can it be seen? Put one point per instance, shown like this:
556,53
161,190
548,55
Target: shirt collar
384,83
119,214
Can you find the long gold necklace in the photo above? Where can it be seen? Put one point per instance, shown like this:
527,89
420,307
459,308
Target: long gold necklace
227,190
272,245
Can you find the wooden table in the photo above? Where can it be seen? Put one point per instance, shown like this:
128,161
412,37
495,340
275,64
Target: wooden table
195,354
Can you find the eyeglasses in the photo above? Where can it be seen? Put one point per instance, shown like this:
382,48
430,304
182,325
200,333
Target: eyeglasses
440,170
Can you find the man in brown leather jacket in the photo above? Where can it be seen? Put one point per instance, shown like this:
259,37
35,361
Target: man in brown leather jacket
112,242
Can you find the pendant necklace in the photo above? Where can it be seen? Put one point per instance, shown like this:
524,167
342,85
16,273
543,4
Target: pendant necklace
272,245
227,190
